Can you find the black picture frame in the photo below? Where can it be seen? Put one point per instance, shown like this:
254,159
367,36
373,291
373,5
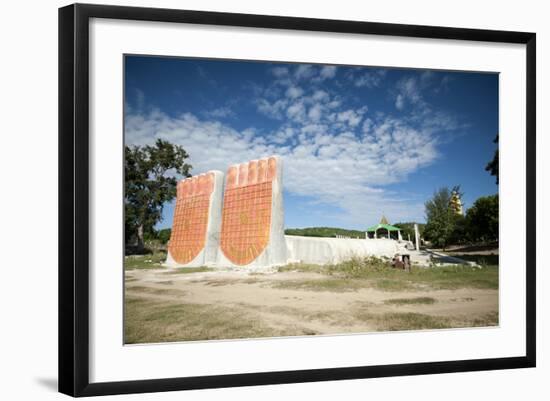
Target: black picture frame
74,194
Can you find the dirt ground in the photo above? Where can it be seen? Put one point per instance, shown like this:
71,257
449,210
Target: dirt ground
167,305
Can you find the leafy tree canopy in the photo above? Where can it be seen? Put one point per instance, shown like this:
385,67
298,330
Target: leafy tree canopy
164,235
492,166
151,174
482,219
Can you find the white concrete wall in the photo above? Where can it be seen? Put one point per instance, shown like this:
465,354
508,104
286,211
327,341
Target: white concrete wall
316,250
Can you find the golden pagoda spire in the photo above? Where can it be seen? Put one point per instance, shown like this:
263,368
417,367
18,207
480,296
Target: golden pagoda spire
456,203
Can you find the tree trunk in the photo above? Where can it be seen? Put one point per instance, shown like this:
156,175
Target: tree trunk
140,242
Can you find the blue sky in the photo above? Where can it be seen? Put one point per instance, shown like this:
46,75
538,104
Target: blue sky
356,142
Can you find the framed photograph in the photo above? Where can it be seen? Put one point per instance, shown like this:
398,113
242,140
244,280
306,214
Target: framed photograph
251,199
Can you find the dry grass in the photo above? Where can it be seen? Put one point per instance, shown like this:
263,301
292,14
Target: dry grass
152,261
419,321
376,273
150,321
155,291
411,301
223,282
330,284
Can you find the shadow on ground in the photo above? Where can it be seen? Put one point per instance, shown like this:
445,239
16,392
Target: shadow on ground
479,259
48,382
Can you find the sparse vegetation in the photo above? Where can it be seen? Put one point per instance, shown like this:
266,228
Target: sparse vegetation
155,261
411,301
353,268
419,321
153,321
331,284
404,321
155,291
152,261
376,273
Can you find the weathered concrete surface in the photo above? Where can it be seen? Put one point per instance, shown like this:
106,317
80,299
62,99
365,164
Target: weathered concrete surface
197,219
334,250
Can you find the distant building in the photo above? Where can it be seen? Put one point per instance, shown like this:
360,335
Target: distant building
383,230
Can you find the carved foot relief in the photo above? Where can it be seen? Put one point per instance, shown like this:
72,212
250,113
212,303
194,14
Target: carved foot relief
191,216
237,231
246,215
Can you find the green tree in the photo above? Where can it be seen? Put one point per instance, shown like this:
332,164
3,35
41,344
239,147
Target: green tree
460,233
440,218
150,181
482,219
164,235
492,166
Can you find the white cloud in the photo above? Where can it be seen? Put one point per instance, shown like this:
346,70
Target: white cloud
443,85
327,72
335,152
345,169
409,91
426,76
304,71
351,117
367,126
140,99
320,95
279,72
334,104
368,79
272,109
400,102
204,75
294,92
282,136
315,112
220,112
296,111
